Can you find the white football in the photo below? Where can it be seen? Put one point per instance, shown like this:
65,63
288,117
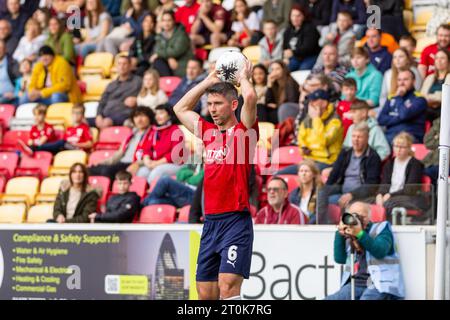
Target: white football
229,65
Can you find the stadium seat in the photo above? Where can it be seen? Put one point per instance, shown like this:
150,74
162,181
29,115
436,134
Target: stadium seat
90,108
21,189
291,180
253,53
98,156
286,156
10,139
266,131
40,213
378,213
300,76
36,166
138,185
6,114
50,188
261,158
8,163
420,151
24,118
183,216
158,213
422,43
96,65
334,214
60,114
13,213
111,138
169,84
95,89
102,183
65,159
421,19
2,184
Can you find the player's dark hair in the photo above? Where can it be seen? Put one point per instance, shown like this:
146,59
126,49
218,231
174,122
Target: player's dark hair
124,175
408,37
79,106
225,89
277,178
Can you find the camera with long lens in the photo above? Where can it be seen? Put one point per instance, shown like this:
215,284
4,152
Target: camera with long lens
350,219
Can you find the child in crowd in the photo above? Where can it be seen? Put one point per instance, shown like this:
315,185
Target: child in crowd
41,133
151,95
77,136
343,107
22,82
121,207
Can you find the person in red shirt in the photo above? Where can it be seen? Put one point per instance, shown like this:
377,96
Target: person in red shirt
212,25
226,246
163,147
186,14
77,136
41,132
426,64
343,107
279,210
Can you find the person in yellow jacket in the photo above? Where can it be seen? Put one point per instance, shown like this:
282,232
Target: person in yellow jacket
52,80
321,133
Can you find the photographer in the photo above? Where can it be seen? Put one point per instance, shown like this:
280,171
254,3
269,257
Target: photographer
377,271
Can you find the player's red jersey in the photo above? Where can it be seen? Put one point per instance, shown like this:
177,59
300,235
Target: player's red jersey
47,131
78,134
228,157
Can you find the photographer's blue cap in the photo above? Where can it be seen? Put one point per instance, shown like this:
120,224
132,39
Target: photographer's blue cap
318,94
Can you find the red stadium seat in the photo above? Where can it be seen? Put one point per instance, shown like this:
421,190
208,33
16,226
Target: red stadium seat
291,180
2,184
334,213
6,113
420,151
8,163
138,185
169,84
184,214
111,138
10,139
102,183
378,213
158,213
36,166
286,156
98,156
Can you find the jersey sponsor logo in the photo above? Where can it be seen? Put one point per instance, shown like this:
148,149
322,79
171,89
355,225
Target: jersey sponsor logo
217,155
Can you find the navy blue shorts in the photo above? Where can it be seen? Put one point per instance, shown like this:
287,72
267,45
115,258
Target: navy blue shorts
225,246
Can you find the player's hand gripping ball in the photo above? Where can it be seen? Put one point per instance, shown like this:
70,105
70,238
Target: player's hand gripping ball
229,66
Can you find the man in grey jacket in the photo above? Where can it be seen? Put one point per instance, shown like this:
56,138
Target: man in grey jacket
120,97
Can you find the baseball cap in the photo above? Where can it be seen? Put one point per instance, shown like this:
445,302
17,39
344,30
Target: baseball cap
318,94
359,104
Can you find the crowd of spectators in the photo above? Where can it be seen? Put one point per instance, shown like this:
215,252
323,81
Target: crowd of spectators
365,101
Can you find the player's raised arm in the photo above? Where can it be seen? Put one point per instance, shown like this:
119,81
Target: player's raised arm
248,112
183,109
